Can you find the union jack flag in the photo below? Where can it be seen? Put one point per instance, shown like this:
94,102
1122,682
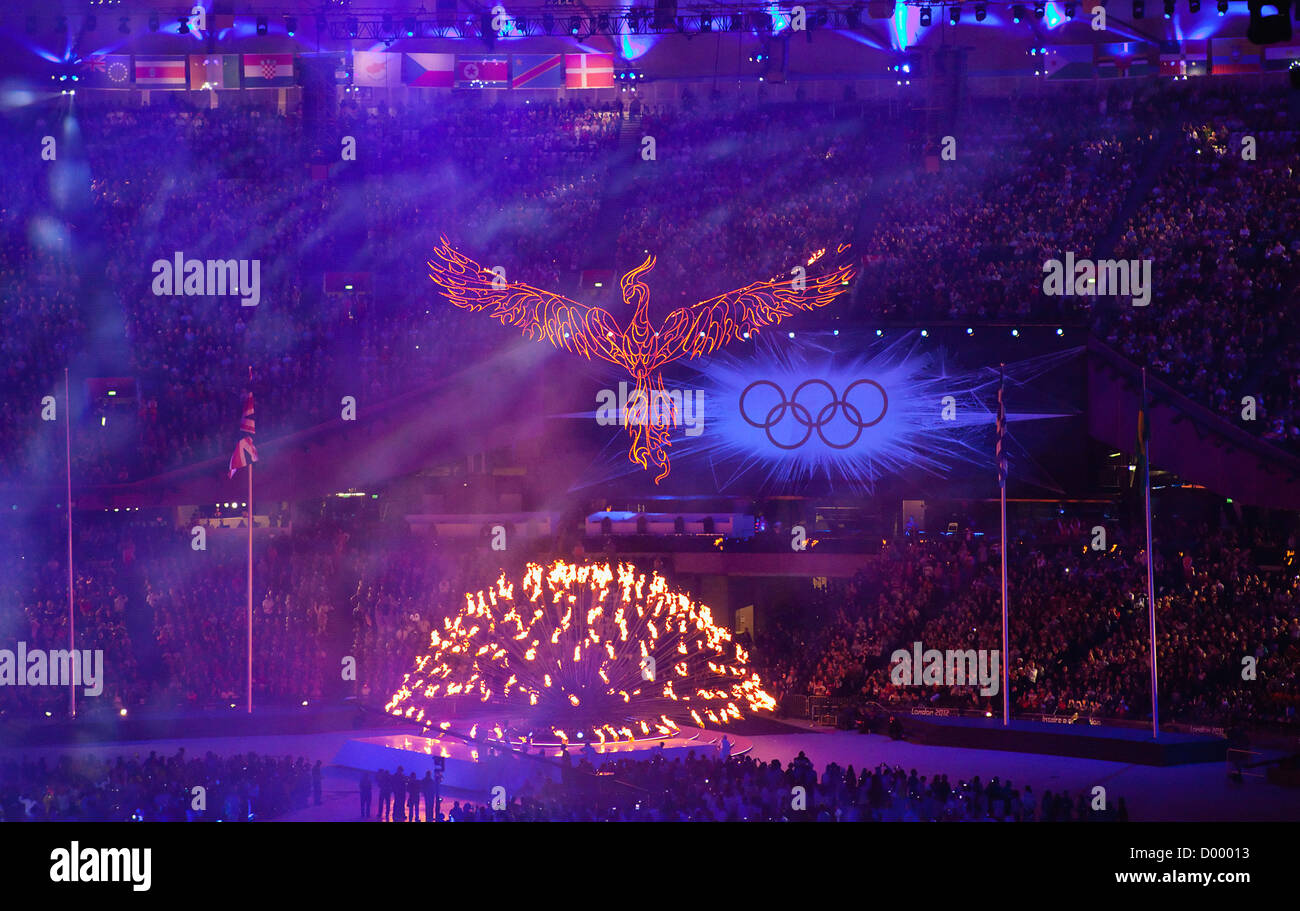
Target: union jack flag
245,452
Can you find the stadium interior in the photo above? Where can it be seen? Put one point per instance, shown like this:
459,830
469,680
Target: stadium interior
418,269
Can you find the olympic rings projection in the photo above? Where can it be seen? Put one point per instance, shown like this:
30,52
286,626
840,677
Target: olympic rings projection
803,416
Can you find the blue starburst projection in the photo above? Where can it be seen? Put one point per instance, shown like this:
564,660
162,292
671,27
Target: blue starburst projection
849,411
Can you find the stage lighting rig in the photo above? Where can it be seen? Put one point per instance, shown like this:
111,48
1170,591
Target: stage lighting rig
410,26
925,17
290,25
1169,9
1193,6
980,12
1222,7
1017,13
954,15
1040,10
1139,9
183,25
1069,11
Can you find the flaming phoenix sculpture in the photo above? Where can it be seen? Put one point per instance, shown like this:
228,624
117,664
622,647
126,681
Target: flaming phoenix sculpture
640,348
590,652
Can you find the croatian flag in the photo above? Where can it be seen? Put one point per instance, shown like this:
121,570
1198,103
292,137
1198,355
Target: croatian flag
588,71
267,70
160,73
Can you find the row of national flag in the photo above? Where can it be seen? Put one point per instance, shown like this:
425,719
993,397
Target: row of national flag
195,72
198,72
380,69
1191,57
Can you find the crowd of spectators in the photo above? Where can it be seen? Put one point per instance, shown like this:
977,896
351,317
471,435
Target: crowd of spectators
172,622
1077,621
542,189
238,788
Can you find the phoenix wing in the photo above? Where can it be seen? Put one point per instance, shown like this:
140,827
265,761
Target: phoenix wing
709,325
566,324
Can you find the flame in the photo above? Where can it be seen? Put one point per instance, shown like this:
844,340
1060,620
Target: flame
497,647
640,347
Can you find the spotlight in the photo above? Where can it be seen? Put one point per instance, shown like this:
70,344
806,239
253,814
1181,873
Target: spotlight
1169,9
602,23
925,17
1040,10
124,25
290,25
575,25
980,12
706,23
153,22
183,25
261,25
1015,333
1139,9
409,26
954,15
1222,7
351,26
1193,6
1017,13
1069,11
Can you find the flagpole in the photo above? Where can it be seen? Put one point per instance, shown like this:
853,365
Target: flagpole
72,616
250,588
1006,653
1151,586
